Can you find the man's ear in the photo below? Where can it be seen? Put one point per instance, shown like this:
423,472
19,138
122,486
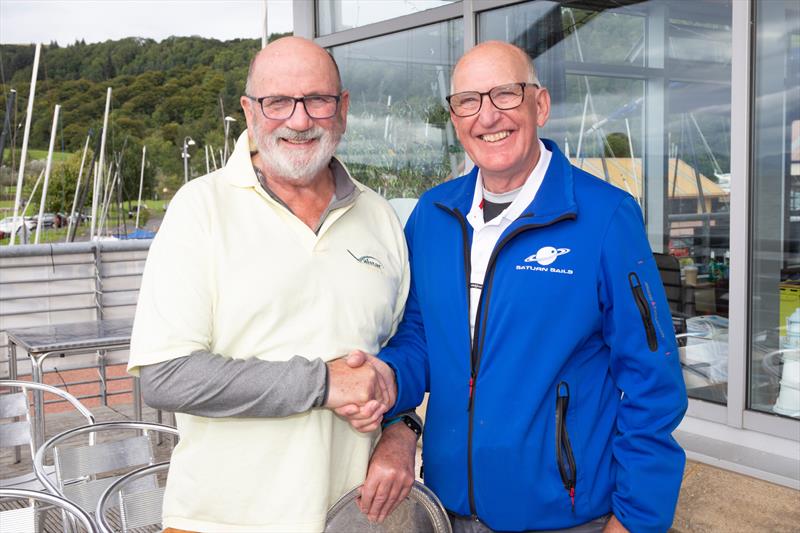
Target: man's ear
344,105
542,107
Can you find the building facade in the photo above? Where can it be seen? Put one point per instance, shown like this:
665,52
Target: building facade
691,107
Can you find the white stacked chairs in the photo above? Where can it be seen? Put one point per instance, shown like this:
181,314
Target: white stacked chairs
84,470
19,422
136,509
28,520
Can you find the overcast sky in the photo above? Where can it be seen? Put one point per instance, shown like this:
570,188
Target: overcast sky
65,21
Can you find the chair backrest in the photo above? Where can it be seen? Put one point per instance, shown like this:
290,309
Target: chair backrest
24,520
17,428
137,507
420,512
84,472
670,270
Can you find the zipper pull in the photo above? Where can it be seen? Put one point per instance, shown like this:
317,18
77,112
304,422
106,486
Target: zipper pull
572,498
471,388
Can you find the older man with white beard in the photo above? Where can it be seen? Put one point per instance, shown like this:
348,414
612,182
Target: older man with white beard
262,276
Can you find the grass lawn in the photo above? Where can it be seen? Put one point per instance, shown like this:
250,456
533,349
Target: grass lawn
155,208
7,206
34,155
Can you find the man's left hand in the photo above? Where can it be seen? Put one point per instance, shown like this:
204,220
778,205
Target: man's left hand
390,474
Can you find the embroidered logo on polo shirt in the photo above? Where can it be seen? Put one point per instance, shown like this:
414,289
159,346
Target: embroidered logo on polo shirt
367,260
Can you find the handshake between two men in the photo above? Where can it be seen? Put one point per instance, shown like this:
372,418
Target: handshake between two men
361,388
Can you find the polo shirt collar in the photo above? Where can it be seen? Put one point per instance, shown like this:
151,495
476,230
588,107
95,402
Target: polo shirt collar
344,192
524,198
240,172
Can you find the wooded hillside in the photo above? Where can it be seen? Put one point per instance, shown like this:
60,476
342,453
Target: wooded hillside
161,93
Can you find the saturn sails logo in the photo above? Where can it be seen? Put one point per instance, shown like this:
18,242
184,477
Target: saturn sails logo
546,255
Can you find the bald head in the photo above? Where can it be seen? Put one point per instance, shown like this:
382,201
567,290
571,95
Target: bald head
501,139
494,56
292,58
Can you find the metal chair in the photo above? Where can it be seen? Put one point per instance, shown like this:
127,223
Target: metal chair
26,520
20,430
83,471
669,269
420,512
137,509
703,352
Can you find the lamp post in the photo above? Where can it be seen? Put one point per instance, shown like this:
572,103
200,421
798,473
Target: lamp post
228,121
187,142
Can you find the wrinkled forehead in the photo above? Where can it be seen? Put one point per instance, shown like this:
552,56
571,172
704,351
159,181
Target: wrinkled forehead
295,73
483,69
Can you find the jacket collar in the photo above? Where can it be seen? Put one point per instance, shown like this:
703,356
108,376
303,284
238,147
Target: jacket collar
554,199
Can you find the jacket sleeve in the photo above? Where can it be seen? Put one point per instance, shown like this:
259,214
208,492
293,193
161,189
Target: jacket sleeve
645,365
407,351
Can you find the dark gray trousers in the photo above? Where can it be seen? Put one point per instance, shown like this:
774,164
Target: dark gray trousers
466,525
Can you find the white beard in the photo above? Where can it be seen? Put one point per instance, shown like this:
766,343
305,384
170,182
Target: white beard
300,168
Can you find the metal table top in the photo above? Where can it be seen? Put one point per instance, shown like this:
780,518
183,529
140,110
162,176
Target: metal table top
73,336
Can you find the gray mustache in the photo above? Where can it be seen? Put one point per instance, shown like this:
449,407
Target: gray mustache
294,135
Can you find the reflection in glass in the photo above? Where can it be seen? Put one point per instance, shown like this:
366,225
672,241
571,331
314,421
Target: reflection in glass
399,138
775,269
339,15
654,120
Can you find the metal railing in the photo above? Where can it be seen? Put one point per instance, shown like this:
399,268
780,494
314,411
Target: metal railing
69,282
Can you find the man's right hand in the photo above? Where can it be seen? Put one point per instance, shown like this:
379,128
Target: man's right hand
367,417
354,382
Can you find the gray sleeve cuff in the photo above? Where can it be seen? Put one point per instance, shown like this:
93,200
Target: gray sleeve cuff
210,385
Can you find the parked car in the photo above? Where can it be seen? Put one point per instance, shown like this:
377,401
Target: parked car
7,224
48,220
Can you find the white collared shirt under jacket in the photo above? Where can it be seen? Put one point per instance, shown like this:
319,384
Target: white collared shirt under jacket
235,273
486,234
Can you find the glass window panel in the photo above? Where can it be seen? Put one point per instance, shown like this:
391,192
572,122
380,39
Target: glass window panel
653,133
399,138
593,36
338,15
699,31
775,239
697,207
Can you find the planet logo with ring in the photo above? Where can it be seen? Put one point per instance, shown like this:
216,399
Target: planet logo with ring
546,255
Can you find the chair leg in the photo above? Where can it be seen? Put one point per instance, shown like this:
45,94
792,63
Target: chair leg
101,369
137,399
159,419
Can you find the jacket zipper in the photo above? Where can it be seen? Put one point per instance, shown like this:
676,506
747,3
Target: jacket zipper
476,351
644,311
564,455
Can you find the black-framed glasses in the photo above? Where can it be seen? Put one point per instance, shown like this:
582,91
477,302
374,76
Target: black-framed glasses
279,107
503,97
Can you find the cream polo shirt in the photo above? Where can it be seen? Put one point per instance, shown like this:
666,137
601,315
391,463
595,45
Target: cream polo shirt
233,272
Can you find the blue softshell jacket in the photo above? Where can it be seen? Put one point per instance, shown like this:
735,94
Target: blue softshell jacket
561,408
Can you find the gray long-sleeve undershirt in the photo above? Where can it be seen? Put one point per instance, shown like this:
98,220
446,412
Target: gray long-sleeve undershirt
210,385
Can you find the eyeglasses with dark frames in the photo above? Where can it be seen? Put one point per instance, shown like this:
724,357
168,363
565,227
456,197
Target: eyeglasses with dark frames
503,97
318,106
